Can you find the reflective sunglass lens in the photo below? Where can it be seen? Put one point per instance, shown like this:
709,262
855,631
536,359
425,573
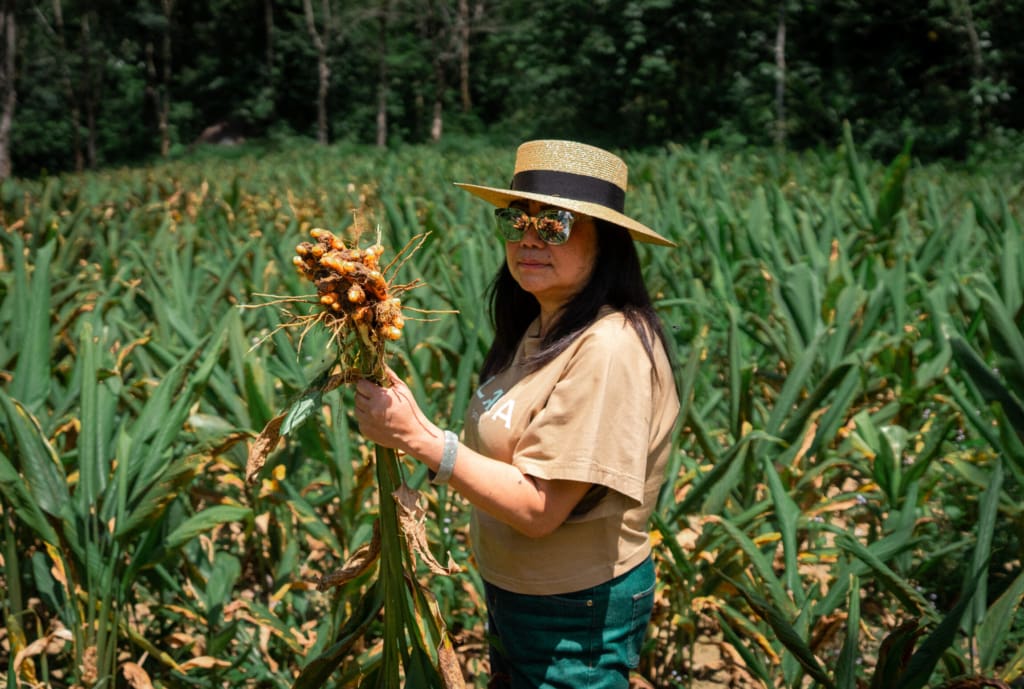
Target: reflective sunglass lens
511,222
552,225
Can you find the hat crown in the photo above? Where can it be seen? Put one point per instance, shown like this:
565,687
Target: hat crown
574,176
572,157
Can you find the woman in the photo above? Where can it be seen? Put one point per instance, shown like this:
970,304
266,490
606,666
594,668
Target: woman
567,437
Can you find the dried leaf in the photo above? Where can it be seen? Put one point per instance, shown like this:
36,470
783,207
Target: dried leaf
358,562
180,640
204,663
137,677
264,444
448,664
707,655
343,378
808,440
837,506
42,645
411,516
89,673
227,443
268,656
638,682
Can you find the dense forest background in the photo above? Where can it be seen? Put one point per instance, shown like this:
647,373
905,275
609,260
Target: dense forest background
100,82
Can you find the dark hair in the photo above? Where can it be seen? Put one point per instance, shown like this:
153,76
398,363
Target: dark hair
616,281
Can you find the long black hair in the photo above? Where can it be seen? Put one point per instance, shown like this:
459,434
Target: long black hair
616,281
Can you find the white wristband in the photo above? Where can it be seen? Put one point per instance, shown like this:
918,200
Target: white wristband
451,449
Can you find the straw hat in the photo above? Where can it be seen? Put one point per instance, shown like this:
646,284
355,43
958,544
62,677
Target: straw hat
573,176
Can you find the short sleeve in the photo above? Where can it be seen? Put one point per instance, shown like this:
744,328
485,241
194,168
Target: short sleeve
595,425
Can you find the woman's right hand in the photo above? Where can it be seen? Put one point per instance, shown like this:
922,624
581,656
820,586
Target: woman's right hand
389,416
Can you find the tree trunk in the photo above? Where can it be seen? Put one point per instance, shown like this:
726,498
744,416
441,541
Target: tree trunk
382,78
780,77
8,93
320,42
158,86
464,33
268,54
92,69
165,110
74,110
152,84
437,121
962,8
268,27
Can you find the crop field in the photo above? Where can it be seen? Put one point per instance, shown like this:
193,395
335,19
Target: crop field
844,505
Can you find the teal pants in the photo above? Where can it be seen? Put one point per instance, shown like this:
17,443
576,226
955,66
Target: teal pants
587,639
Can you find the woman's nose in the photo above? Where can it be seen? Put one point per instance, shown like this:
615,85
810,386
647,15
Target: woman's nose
530,236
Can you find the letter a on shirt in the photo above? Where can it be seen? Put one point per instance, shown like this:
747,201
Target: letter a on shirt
503,412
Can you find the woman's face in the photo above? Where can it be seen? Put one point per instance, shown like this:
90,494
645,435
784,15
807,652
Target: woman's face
552,274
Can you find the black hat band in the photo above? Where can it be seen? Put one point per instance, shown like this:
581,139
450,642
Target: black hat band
570,185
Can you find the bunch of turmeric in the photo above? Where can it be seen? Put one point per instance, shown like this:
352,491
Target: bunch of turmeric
350,285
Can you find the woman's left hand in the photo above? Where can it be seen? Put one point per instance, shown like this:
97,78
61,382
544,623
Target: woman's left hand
390,416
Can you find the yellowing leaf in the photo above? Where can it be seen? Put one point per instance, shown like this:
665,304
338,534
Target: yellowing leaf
204,663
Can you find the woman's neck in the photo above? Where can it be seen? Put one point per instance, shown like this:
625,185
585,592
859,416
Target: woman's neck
545,321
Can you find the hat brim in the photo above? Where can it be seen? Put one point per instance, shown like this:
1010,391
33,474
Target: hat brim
503,197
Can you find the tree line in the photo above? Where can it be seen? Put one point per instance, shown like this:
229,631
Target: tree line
87,83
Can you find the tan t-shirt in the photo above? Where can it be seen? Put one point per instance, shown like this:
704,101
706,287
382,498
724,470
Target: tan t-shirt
597,413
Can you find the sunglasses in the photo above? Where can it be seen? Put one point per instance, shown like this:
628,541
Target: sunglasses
552,225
